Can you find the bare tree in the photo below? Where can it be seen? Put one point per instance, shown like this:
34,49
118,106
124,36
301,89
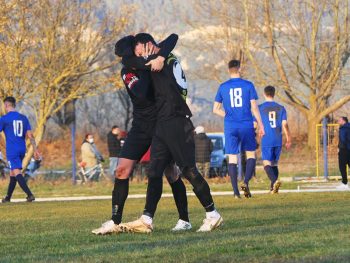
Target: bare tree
301,47
57,51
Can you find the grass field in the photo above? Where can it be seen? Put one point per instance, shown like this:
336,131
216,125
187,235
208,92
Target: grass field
284,228
61,188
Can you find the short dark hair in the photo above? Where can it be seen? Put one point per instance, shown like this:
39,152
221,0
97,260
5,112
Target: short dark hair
114,127
270,91
11,100
345,119
234,63
144,38
125,46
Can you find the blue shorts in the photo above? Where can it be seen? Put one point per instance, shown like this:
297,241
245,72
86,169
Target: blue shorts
271,154
15,161
239,138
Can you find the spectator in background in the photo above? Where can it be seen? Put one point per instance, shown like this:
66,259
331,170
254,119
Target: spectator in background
204,147
114,146
344,150
90,156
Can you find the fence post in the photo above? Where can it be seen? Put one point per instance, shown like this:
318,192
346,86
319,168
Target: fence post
73,130
325,147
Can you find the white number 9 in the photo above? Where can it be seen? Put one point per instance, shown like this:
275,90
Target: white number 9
272,119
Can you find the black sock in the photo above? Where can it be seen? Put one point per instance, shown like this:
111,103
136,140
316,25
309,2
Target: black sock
11,188
179,192
154,193
119,195
22,183
249,172
271,174
200,187
233,173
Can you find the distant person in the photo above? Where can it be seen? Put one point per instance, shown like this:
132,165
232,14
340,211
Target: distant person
114,146
344,150
204,147
90,156
16,128
274,118
238,97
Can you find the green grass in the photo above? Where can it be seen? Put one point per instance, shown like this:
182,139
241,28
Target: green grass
282,228
59,188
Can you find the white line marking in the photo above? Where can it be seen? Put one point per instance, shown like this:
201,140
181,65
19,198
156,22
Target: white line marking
138,196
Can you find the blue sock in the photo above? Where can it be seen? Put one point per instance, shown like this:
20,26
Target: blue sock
22,183
275,170
249,171
12,186
233,173
271,174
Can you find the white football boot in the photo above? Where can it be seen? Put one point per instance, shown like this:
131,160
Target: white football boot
182,225
107,228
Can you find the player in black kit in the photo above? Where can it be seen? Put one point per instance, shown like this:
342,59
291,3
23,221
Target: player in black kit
173,138
138,85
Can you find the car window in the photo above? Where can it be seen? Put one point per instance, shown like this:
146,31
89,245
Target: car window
217,143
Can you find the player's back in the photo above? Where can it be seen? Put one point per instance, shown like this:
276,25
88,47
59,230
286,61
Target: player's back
15,126
170,88
272,115
144,108
235,95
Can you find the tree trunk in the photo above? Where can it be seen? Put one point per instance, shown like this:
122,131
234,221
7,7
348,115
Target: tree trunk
311,134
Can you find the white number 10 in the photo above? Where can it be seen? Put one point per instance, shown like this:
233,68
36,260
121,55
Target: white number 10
236,97
272,119
18,128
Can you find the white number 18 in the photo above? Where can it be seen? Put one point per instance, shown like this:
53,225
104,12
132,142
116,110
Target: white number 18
236,97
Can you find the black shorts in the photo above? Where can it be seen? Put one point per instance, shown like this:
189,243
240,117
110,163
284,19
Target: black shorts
174,139
138,140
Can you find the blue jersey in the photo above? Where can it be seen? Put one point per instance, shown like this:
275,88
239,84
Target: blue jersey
235,96
15,127
272,115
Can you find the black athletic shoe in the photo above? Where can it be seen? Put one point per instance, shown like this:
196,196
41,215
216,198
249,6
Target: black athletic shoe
30,198
6,199
246,190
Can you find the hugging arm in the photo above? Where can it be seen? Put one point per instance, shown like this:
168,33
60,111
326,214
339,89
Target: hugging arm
165,46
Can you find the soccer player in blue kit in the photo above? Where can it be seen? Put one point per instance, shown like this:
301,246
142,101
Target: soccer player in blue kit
16,127
238,98
274,118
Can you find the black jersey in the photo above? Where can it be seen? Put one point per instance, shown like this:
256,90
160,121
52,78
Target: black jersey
170,87
170,90
139,88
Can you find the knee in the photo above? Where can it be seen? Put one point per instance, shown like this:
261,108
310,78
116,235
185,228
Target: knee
171,173
122,172
191,174
250,154
232,158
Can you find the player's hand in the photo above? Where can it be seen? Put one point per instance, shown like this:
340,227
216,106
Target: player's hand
261,131
288,145
156,64
37,155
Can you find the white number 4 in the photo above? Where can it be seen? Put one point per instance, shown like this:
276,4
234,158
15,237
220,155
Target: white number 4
18,128
236,97
272,119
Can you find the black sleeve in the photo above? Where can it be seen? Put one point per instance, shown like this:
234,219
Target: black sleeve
136,84
167,45
137,62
